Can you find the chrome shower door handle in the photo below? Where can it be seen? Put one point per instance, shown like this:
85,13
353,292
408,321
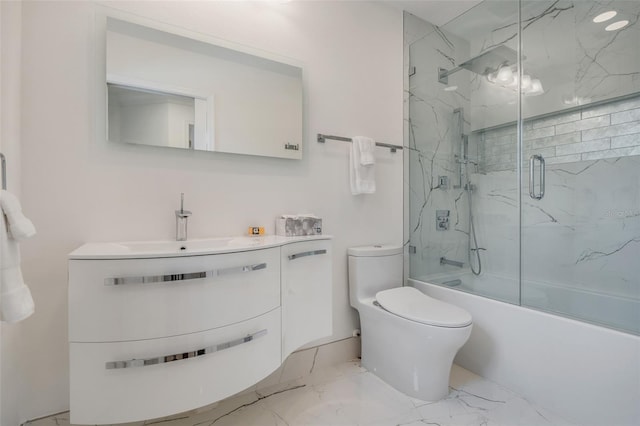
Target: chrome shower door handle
532,179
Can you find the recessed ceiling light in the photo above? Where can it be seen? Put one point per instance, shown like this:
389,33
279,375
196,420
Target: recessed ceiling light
450,88
617,25
605,16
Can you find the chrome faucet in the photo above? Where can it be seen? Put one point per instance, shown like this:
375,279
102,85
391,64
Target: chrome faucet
182,217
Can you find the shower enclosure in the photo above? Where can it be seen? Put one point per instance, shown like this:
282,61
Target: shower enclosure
523,137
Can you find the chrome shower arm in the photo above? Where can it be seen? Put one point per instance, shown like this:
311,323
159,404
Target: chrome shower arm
443,74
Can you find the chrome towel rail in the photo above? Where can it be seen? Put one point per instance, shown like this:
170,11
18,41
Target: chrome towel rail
3,165
322,138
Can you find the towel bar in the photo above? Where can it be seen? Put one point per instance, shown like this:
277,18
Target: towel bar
322,138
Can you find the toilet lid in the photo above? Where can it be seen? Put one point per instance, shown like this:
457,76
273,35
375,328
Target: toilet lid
412,304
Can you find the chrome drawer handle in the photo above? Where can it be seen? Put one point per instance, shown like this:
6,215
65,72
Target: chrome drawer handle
306,253
113,365
149,279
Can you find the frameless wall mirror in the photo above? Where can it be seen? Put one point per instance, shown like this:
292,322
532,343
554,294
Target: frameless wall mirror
168,90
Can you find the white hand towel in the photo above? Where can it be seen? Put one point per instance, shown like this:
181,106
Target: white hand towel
362,177
16,302
367,147
19,226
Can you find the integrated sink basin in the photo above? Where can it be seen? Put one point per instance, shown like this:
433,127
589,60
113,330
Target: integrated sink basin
176,246
151,249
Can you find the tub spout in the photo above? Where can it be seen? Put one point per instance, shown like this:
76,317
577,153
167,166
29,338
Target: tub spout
445,261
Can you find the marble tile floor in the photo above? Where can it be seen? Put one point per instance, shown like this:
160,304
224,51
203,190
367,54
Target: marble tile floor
347,394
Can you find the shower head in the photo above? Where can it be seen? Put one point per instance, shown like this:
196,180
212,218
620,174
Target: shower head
484,63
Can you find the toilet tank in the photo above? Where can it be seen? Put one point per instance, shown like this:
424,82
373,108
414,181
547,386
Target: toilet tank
373,269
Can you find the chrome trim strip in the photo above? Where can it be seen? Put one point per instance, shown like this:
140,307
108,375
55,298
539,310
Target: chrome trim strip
149,279
306,253
114,365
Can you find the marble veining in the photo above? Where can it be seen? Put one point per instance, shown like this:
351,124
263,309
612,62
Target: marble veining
589,254
346,394
582,235
603,64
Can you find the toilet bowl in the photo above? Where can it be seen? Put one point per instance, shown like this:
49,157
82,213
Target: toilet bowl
409,339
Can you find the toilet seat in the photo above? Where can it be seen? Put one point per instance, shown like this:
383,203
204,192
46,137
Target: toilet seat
412,304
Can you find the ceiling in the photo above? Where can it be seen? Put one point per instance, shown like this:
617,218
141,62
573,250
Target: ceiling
438,12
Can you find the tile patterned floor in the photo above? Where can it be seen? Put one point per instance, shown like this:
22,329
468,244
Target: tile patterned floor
348,395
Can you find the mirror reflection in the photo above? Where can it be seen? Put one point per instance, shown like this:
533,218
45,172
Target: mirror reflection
148,117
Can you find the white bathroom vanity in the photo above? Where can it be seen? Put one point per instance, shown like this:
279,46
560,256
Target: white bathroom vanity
158,328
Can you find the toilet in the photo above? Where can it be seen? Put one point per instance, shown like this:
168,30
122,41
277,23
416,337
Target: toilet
409,339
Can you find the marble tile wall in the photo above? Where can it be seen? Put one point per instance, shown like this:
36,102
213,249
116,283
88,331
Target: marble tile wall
585,232
577,61
432,141
608,130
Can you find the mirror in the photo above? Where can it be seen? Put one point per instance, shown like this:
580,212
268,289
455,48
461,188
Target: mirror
169,90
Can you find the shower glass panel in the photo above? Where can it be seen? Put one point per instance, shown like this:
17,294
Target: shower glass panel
581,239
462,197
523,136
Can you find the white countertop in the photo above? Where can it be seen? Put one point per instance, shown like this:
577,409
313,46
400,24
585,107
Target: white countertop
194,247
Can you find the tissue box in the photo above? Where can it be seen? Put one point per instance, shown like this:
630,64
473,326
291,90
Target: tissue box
299,225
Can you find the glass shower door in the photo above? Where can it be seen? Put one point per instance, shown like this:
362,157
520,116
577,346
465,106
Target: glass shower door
581,161
463,185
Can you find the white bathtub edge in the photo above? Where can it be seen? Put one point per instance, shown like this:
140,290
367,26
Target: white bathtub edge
588,374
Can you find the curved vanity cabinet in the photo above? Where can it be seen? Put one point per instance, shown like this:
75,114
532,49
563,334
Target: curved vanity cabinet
158,332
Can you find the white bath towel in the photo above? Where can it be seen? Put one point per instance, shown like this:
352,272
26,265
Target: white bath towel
362,174
16,302
19,227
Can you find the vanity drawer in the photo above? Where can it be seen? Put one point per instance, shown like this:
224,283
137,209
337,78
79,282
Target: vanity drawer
102,395
134,299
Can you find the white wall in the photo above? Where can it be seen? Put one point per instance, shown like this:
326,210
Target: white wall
78,189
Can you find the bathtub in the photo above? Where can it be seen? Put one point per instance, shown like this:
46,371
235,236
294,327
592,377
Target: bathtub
584,372
597,308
